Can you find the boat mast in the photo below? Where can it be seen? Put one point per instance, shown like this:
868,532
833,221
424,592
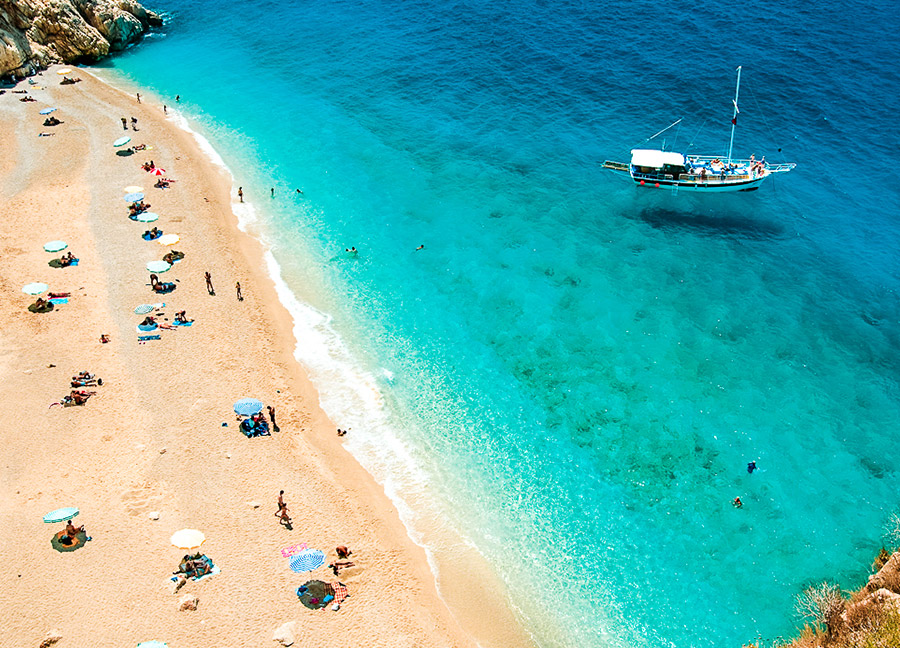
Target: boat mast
737,89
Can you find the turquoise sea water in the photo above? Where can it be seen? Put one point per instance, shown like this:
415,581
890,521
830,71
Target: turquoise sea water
572,372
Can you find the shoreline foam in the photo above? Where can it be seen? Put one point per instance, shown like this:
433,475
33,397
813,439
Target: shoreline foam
252,247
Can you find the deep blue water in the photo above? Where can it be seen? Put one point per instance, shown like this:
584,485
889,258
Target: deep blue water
572,372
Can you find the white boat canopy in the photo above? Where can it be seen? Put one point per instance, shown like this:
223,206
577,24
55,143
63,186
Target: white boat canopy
655,159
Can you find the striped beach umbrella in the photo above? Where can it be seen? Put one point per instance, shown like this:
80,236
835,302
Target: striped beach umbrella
61,515
307,560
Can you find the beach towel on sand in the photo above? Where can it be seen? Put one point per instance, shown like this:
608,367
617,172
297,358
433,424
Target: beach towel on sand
181,323
59,300
144,338
212,572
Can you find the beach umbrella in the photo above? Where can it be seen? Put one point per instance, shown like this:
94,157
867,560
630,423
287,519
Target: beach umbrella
136,196
146,217
34,288
313,594
133,189
64,71
158,266
47,111
169,239
122,141
152,644
55,246
61,515
307,560
248,406
143,309
157,171
187,539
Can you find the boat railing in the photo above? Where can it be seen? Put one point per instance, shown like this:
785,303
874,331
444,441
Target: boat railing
710,178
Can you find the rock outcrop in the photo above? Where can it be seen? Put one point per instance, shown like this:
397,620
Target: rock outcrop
36,33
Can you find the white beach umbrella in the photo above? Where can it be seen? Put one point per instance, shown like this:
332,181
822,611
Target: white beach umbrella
158,266
169,239
187,539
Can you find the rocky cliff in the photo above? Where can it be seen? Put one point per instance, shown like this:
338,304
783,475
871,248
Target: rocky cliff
36,33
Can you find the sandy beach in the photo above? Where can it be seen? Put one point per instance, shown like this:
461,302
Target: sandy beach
154,437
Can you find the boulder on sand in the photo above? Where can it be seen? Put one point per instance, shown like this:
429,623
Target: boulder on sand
188,602
52,637
285,634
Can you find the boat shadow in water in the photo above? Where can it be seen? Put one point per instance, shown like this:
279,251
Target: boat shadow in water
717,224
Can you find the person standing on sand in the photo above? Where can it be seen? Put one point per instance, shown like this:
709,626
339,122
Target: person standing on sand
241,193
124,124
237,287
275,427
165,109
209,286
134,123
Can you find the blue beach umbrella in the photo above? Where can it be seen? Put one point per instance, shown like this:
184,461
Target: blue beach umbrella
146,217
55,246
134,197
61,515
307,560
122,141
35,288
47,111
158,266
248,406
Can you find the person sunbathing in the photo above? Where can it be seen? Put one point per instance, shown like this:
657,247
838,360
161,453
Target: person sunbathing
52,121
153,234
160,287
139,147
67,259
173,256
181,318
162,184
41,305
86,382
338,565
72,531
27,99
55,295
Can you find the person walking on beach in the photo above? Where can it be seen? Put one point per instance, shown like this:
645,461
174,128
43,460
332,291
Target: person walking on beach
241,193
209,286
124,124
139,97
275,427
237,287
134,123
165,109
282,512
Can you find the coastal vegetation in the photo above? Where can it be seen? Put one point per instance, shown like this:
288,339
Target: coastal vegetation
866,618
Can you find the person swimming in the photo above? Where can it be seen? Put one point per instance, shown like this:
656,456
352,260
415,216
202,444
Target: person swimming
751,467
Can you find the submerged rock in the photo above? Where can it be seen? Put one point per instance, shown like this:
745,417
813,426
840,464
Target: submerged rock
37,33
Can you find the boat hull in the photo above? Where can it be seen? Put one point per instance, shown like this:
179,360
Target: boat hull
700,187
